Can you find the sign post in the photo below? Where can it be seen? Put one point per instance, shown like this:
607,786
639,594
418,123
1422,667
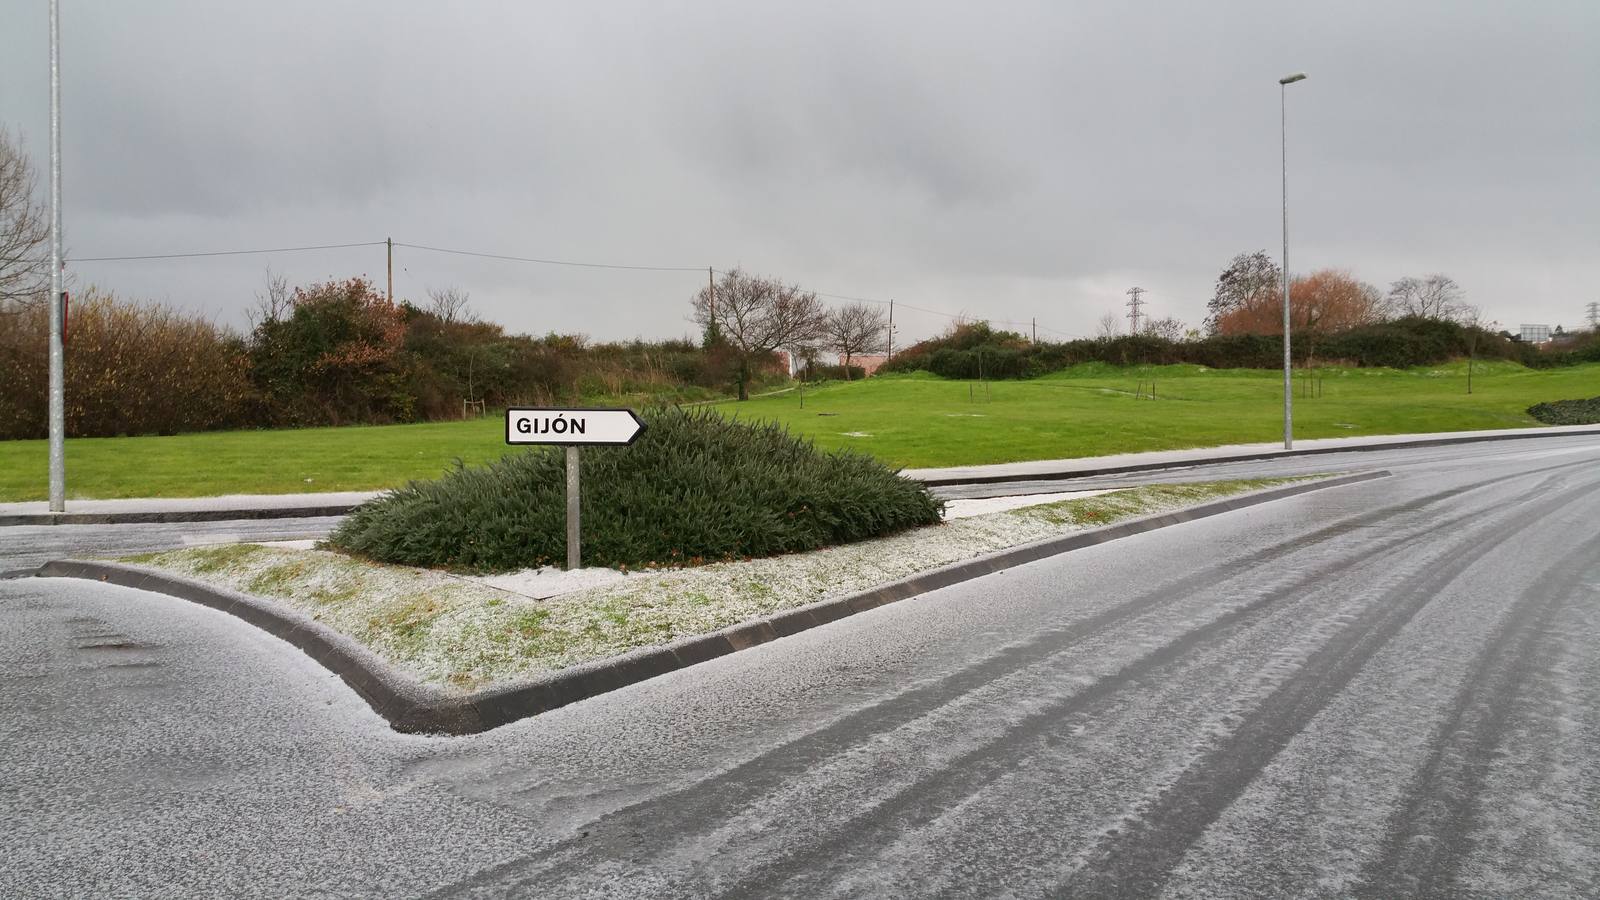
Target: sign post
572,428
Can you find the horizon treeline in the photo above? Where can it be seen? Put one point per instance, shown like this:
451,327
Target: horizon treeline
333,353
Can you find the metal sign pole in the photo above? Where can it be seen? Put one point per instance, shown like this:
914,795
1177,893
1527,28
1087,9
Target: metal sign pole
572,509
571,428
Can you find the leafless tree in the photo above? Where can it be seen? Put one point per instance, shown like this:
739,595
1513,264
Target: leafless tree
1435,297
1110,327
1471,318
24,228
756,316
272,303
451,305
855,329
1250,281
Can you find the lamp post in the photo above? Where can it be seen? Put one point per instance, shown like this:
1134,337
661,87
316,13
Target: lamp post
1288,386
57,404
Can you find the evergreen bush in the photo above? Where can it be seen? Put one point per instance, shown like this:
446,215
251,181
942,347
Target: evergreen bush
695,487
1568,412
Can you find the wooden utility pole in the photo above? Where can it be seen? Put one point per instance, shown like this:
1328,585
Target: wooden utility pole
1036,330
389,244
890,355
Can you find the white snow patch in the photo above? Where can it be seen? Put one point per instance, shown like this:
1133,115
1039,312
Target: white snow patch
542,583
961,509
290,545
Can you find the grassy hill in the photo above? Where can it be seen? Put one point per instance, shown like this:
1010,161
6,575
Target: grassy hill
907,420
1096,409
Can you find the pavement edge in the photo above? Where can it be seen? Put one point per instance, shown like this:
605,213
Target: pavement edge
1398,444
410,706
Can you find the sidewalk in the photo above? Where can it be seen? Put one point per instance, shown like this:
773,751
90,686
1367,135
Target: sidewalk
185,509
285,506
1170,459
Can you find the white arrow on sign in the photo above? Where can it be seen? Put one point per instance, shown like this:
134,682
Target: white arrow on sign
571,427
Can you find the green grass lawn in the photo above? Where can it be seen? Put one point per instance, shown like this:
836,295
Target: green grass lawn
911,420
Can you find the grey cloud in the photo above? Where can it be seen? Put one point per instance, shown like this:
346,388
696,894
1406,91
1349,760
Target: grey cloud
1011,160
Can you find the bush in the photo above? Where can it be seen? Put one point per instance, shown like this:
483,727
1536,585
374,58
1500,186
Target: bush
966,351
334,359
695,487
1568,412
831,373
131,368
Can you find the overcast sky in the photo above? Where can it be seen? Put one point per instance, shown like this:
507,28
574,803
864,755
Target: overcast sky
1006,160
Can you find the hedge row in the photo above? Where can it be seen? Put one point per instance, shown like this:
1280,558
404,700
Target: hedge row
978,351
330,354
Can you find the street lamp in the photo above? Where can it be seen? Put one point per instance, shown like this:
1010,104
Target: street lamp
1288,386
58,378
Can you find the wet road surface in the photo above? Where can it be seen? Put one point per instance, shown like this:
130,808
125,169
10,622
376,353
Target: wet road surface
1382,690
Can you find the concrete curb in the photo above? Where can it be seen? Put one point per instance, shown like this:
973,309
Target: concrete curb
185,515
410,706
1065,474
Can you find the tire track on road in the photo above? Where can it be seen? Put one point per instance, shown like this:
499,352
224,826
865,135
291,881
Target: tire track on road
1137,860
925,800
622,833
1429,835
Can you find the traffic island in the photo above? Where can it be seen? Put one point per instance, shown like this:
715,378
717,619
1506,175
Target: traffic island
438,651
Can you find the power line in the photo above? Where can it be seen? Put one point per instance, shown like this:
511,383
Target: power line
223,252
535,260
549,262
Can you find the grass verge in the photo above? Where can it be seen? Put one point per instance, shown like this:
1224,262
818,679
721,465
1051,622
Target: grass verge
903,420
459,632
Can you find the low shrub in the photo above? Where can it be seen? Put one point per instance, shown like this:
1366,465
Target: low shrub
971,351
831,373
695,487
1568,412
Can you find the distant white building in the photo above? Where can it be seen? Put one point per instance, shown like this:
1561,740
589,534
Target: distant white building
1535,334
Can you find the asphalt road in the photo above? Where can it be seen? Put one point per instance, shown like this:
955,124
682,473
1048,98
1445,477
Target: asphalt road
27,547
1383,690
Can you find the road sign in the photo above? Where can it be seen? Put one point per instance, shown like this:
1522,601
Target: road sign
570,427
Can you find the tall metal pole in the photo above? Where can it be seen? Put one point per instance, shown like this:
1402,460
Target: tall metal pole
389,244
58,373
1288,391
1288,386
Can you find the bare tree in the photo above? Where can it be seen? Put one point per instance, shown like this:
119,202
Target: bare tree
756,316
1251,281
1435,297
1471,318
24,228
1110,327
855,329
451,305
274,302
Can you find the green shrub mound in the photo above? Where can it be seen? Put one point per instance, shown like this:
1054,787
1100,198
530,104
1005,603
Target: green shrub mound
695,487
1568,412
